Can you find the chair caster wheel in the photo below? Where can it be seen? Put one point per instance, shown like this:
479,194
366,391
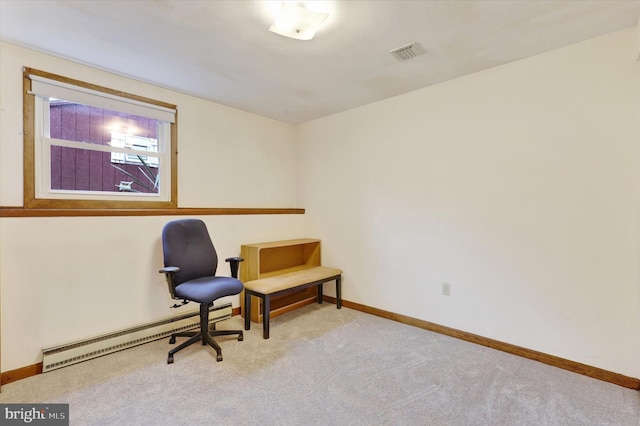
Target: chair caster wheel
170,359
219,358
240,338
172,340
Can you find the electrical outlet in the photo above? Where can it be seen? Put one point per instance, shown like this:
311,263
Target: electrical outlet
446,289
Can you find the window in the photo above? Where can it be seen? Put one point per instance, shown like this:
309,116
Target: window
93,147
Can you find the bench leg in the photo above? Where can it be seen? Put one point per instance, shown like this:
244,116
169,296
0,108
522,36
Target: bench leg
266,314
247,310
339,292
319,289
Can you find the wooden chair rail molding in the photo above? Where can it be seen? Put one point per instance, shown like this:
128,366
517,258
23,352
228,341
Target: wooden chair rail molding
576,367
181,211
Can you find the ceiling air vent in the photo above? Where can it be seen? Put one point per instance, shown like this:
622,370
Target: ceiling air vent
406,52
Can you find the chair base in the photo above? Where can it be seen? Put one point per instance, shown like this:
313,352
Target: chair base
205,335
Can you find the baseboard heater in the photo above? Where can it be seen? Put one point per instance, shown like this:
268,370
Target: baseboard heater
72,353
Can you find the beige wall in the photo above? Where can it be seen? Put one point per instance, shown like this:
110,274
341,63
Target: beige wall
518,185
54,289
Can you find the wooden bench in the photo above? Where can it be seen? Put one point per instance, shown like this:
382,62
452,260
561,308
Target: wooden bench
278,285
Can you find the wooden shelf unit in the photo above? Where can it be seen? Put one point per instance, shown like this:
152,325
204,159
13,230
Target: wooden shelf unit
273,258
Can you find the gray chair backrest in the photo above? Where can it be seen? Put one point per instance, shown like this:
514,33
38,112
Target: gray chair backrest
187,245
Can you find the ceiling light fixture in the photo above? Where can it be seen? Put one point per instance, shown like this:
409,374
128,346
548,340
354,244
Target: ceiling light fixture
294,20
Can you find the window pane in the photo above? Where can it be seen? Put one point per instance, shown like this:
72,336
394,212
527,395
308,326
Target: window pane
74,169
82,123
121,140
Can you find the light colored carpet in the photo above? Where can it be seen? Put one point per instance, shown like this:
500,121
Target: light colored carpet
326,366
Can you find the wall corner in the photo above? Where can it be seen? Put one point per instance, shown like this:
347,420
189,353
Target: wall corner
638,40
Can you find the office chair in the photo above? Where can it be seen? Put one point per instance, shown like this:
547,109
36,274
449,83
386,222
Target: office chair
190,262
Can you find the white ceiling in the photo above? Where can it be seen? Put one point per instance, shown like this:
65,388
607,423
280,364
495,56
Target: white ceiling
221,50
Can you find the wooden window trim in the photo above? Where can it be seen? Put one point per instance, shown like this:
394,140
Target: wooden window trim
30,200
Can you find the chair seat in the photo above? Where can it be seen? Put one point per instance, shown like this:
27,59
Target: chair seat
208,289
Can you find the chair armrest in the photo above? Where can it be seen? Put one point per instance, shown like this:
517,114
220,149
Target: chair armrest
234,262
169,272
